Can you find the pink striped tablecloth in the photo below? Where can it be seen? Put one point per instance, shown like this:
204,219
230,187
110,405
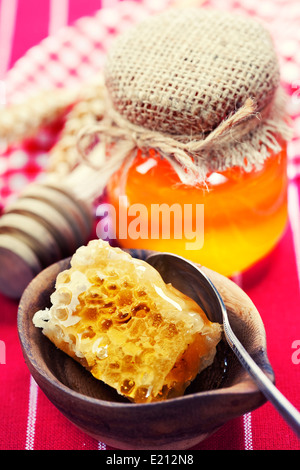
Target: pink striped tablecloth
27,419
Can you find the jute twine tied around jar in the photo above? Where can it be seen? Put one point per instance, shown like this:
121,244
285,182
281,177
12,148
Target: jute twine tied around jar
202,87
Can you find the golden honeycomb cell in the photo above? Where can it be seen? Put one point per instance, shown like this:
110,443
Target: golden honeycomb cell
115,315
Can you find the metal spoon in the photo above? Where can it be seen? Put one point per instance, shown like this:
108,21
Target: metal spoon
190,280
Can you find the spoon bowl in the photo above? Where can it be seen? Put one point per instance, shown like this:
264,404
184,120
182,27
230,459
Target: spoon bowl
191,281
219,394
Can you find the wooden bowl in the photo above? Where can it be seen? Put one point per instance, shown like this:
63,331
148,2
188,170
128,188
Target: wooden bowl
220,393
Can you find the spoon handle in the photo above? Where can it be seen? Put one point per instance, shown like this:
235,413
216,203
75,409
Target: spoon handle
279,401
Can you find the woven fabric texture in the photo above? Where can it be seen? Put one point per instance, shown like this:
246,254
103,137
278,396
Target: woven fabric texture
184,71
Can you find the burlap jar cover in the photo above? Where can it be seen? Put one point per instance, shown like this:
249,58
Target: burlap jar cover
201,87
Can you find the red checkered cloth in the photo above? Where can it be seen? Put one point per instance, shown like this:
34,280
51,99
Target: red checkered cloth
68,51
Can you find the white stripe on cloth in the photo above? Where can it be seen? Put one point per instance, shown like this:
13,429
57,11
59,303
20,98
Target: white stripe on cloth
8,13
247,421
59,15
32,410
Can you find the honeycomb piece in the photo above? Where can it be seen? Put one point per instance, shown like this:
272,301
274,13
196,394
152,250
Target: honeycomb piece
115,315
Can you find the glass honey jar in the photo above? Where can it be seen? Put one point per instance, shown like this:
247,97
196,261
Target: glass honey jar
195,133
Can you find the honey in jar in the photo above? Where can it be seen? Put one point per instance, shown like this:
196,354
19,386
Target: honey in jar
244,215
196,126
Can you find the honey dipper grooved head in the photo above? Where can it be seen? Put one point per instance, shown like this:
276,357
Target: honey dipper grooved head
45,225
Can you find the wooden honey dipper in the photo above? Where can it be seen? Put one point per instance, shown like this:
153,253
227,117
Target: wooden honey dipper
47,223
